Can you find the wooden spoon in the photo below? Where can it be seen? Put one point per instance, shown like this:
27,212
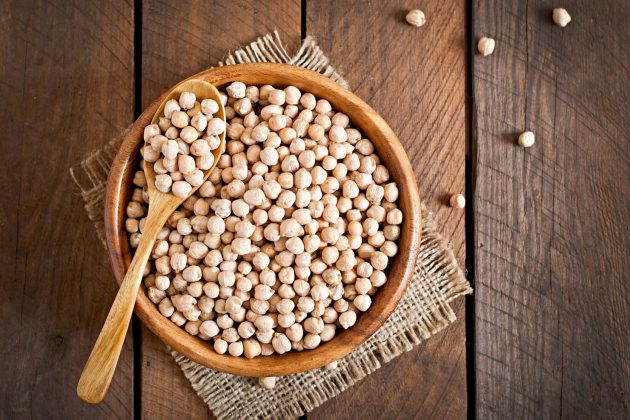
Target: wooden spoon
99,369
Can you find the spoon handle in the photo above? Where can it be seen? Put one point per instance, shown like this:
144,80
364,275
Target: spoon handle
99,368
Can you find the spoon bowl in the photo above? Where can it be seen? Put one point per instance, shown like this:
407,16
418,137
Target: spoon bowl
100,366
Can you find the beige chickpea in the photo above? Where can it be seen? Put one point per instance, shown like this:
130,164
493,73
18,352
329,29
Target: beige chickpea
290,228
195,289
183,303
365,147
269,111
561,17
308,101
306,115
295,245
311,243
313,325
209,107
225,322
235,348
269,156
305,303
374,193
316,132
264,323
233,304
156,295
346,261
166,307
263,292
295,332
191,273
389,248
337,134
254,197
362,302
281,343
178,318
285,259
323,106
319,292
318,266
251,349
278,122
194,178
215,127
391,232
347,319
267,382
221,346
289,134
312,341
292,95
394,217
178,262
341,305
323,120
330,185
259,306
330,255
242,106
169,150
236,90
379,260
380,174
276,97
391,192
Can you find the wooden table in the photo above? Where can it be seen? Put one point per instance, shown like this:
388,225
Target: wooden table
545,235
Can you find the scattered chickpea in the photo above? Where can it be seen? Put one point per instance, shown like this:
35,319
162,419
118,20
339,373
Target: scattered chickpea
485,46
526,139
267,382
561,17
457,201
332,365
415,17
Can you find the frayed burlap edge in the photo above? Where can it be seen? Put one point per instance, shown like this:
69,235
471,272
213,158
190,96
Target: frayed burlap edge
422,312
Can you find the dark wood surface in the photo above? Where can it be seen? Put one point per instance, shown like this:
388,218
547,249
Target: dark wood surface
66,75
547,227
552,222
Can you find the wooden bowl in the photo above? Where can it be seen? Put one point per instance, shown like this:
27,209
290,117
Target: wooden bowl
400,270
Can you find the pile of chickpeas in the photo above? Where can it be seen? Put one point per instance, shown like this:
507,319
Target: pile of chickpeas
287,240
180,145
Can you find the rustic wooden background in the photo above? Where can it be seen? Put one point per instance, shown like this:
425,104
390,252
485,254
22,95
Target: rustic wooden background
545,236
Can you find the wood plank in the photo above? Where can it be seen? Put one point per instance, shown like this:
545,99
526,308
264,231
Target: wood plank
551,222
177,41
67,83
415,78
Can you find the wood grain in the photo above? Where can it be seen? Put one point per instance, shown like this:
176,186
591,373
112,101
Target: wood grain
414,77
551,222
205,35
66,71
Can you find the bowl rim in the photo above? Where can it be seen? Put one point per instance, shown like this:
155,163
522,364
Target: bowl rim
386,299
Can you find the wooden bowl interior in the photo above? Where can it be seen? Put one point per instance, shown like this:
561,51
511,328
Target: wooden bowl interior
390,150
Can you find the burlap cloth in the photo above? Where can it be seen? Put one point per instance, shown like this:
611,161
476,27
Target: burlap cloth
423,311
